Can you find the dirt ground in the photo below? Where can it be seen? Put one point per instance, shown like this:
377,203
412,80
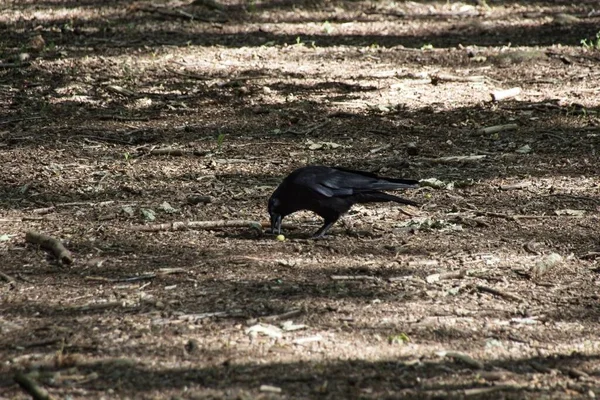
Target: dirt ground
488,290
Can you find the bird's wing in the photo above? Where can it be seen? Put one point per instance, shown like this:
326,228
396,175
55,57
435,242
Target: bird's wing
341,182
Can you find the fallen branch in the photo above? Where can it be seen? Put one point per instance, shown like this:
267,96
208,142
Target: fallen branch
180,225
49,243
31,387
498,293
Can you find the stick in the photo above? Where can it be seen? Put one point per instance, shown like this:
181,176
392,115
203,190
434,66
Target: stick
497,292
11,281
498,128
14,65
439,78
49,243
180,225
175,152
353,278
286,315
31,387
189,75
143,277
95,306
471,362
505,94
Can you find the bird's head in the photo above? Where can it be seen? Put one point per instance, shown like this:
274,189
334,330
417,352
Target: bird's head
275,214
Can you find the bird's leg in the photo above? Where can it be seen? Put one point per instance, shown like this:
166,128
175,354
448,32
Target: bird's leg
320,234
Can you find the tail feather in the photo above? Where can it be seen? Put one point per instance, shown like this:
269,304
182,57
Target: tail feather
380,197
405,183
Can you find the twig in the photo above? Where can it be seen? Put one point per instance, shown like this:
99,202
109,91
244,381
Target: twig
505,94
447,275
189,75
10,121
31,387
497,292
167,151
309,130
285,315
21,219
453,159
14,65
439,78
197,317
152,275
120,90
498,128
179,226
490,389
516,186
49,243
95,306
9,279
590,256
471,362
353,278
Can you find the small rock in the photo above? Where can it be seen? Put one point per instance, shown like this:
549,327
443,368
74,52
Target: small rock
523,149
148,214
546,264
37,43
412,149
270,389
192,346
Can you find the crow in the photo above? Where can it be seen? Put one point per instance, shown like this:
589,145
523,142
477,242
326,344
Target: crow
330,192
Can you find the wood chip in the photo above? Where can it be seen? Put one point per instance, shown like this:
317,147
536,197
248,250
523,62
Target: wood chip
499,95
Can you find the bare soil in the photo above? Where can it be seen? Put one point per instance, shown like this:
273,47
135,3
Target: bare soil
489,290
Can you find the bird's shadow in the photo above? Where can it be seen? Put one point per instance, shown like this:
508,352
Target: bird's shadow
297,235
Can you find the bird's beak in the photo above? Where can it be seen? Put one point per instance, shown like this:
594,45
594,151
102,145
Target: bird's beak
276,223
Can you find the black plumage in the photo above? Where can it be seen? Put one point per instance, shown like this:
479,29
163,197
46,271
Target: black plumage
330,192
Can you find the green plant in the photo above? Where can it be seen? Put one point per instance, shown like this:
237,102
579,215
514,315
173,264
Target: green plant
591,44
220,140
328,28
427,46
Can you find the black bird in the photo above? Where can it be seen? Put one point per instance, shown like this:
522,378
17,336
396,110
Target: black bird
330,192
